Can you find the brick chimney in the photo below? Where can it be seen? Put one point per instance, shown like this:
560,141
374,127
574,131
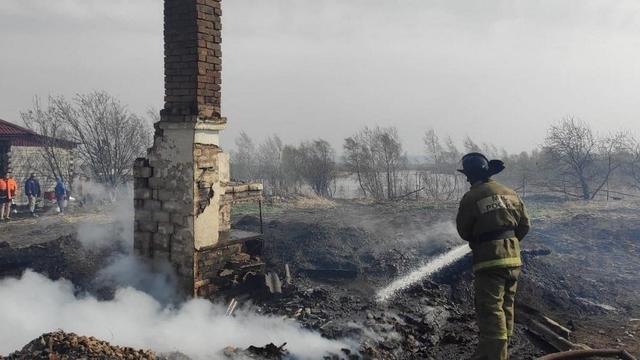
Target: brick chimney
193,60
180,187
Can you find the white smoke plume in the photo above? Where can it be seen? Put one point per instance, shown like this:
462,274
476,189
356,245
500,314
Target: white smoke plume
142,313
117,207
34,304
127,270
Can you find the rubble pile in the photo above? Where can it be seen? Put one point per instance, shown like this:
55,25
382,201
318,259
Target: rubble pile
61,346
267,352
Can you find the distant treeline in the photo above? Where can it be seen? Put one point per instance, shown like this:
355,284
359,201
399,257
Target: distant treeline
573,161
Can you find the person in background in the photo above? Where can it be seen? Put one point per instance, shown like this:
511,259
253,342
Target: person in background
32,190
4,196
61,193
12,189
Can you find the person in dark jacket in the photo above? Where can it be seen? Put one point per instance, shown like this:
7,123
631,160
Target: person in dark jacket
61,193
32,190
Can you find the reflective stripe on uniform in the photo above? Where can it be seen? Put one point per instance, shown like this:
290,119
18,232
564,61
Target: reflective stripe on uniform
496,336
506,262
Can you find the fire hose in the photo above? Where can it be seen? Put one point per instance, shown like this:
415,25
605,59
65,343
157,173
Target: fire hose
585,354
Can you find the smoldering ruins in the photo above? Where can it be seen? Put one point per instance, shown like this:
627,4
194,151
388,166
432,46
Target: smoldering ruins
190,263
183,193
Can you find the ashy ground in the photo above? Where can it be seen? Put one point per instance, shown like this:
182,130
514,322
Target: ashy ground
580,269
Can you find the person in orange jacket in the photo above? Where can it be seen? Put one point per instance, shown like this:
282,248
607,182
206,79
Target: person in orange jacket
12,189
4,195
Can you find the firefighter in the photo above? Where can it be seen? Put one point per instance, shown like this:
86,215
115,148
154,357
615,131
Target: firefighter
493,219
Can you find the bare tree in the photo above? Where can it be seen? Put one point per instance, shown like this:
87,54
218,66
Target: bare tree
452,155
571,143
355,160
152,115
376,157
434,147
360,159
293,163
110,137
48,123
612,151
632,163
390,151
244,157
490,150
439,180
270,165
581,158
318,166
470,146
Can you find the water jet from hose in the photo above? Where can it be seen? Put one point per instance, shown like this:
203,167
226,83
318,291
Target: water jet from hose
433,266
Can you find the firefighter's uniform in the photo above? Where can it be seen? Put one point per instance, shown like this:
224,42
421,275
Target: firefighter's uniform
493,219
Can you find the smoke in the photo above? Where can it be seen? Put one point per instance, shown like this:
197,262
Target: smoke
145,311
129,271
34,304
443,233
124,269
423,236
118,210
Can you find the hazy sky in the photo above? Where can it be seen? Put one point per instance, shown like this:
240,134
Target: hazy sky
498,70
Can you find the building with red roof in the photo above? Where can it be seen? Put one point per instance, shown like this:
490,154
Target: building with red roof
23,151
15,135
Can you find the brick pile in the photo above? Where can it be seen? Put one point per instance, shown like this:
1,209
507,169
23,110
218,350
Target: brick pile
62,346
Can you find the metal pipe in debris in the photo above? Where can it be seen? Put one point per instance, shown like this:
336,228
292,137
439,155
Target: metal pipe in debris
586,354
232,307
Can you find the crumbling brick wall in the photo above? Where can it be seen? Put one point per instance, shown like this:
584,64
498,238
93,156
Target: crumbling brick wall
179,198
209,262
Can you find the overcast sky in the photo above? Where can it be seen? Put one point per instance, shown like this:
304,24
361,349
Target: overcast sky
498,70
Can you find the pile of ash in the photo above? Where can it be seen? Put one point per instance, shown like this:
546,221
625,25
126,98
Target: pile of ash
60,345
420,323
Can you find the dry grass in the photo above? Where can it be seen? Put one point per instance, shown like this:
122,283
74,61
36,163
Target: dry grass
561,210
312,202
